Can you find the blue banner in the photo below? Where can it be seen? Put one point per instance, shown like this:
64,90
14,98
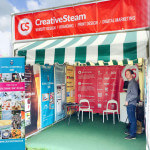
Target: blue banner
12,103
47,95
60,91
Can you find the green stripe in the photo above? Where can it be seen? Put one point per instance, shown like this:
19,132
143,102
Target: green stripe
31,46
23,53
130,48
109,39
115,62
40,56
80,54
88,64
135,61
54,43
73,41
104,53
104,49
106,64
89,41
59,55
96,64
125,62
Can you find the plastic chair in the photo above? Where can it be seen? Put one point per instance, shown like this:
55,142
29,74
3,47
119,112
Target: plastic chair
110,110
87,109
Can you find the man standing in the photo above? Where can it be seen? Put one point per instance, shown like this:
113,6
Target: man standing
131,100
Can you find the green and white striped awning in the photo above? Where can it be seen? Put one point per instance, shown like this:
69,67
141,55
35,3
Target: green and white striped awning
106,48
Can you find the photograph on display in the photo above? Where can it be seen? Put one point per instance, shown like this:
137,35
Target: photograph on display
12,100
12,77
22,124
16,133
51,103
45,97
5,129
6,115
6,77
1,77
16,119
6,104
59,91
6,134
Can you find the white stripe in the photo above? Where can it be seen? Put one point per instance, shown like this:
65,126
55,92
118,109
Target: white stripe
116,47
70,55
100,39
142,38
30,59
80,42
92,54
44,44
61,44
49,56
22,45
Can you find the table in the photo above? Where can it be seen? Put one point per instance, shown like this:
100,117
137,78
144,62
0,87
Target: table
71,107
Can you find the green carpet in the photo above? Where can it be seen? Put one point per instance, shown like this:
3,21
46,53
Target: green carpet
87,136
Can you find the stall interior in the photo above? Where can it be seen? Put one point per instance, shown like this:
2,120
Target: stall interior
52,86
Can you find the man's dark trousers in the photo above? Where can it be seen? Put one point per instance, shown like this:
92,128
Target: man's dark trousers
132,119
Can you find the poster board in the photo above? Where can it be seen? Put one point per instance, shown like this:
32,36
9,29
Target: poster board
12,103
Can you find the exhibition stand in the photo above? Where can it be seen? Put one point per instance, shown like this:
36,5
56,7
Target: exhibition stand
80,52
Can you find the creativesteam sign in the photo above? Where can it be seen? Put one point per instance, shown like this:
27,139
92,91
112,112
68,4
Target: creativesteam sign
82,19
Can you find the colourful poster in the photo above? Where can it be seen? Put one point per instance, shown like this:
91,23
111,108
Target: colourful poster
98,84
47,95
31,101
70,84
12,103
60,91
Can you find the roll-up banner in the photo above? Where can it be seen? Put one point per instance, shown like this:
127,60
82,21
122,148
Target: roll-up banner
99,84
70,83
31,101
82,19
47,95
60,91
12,103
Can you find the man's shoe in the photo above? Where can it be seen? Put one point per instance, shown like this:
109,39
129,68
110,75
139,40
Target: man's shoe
129,137
127,133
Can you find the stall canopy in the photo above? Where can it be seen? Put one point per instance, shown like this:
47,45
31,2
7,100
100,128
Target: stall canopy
115,46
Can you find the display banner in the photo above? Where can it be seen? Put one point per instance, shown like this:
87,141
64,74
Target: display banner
37,77
12,103
99,84
47,95
70,84
31,101
82,19
60,91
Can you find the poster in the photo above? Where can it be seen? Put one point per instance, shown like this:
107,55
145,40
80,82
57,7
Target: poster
12,103
70,84
47,95
31,101
60,91
98,84
82,19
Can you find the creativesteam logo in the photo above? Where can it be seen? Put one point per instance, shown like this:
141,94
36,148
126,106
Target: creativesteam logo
25,26
134,68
